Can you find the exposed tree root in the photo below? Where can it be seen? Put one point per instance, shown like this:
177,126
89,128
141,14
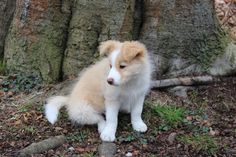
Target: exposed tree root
42,146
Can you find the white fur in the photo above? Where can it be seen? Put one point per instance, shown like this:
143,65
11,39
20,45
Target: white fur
112,109
53,106
82,113
113,73
126,97
78,111
136,112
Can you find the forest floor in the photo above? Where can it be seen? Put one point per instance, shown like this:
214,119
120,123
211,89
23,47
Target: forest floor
204,124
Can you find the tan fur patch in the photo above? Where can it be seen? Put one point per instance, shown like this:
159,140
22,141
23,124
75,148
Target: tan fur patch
107,47
132,50
89,88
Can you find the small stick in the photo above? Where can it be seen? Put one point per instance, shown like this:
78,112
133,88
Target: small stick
182,81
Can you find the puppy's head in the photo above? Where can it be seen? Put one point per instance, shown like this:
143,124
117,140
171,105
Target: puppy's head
126,60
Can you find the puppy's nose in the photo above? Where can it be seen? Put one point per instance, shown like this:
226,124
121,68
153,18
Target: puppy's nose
110,81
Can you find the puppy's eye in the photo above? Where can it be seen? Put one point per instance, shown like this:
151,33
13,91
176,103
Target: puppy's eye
110,66
122,66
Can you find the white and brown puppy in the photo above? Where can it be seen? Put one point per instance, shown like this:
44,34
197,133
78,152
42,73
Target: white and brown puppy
116,83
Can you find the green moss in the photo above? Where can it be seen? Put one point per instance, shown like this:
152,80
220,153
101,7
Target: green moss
2,67
47,59
231,54
213,49
161,28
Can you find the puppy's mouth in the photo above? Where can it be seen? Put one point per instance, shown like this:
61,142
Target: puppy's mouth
114,84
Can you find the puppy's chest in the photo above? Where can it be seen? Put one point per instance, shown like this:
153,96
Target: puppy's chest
127,101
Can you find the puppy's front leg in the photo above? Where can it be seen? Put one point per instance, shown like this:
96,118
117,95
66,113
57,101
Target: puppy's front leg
136,112
112,109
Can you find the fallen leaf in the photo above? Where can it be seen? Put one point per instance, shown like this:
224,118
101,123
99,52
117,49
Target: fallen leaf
25,118
10,94
58,128
2,94
39,117
18,122
189,118
13,143
79,149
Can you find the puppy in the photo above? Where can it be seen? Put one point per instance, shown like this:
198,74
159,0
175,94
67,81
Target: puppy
118,82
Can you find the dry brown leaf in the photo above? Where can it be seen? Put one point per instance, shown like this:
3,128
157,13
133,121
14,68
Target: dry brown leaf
189,118
58,128
79,149
39,117
18,122
2,93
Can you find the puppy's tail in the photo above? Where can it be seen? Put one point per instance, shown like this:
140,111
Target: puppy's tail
53,106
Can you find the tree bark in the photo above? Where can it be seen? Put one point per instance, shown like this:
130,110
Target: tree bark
37,38
59,38
184,36
7,8
92,22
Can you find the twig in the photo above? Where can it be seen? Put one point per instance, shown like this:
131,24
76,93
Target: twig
183,81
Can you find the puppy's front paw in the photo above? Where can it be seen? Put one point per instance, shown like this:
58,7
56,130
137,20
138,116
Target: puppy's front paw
108,135
139,126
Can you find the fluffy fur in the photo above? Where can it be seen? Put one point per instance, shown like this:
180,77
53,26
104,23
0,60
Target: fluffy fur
118,82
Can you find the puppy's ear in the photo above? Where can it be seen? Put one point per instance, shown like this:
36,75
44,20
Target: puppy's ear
134,50
107,47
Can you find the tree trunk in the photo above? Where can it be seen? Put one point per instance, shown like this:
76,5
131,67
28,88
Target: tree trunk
92,22
183,35
7,8
59,38
37,38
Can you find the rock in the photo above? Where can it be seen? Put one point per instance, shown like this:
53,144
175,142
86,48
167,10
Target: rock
1,80
171,137
128,154
213,132
180,91
107,149
71,149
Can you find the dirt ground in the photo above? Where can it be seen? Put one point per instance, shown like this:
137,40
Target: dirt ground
208,127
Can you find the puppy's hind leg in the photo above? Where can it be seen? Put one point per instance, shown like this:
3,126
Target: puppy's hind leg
84,114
